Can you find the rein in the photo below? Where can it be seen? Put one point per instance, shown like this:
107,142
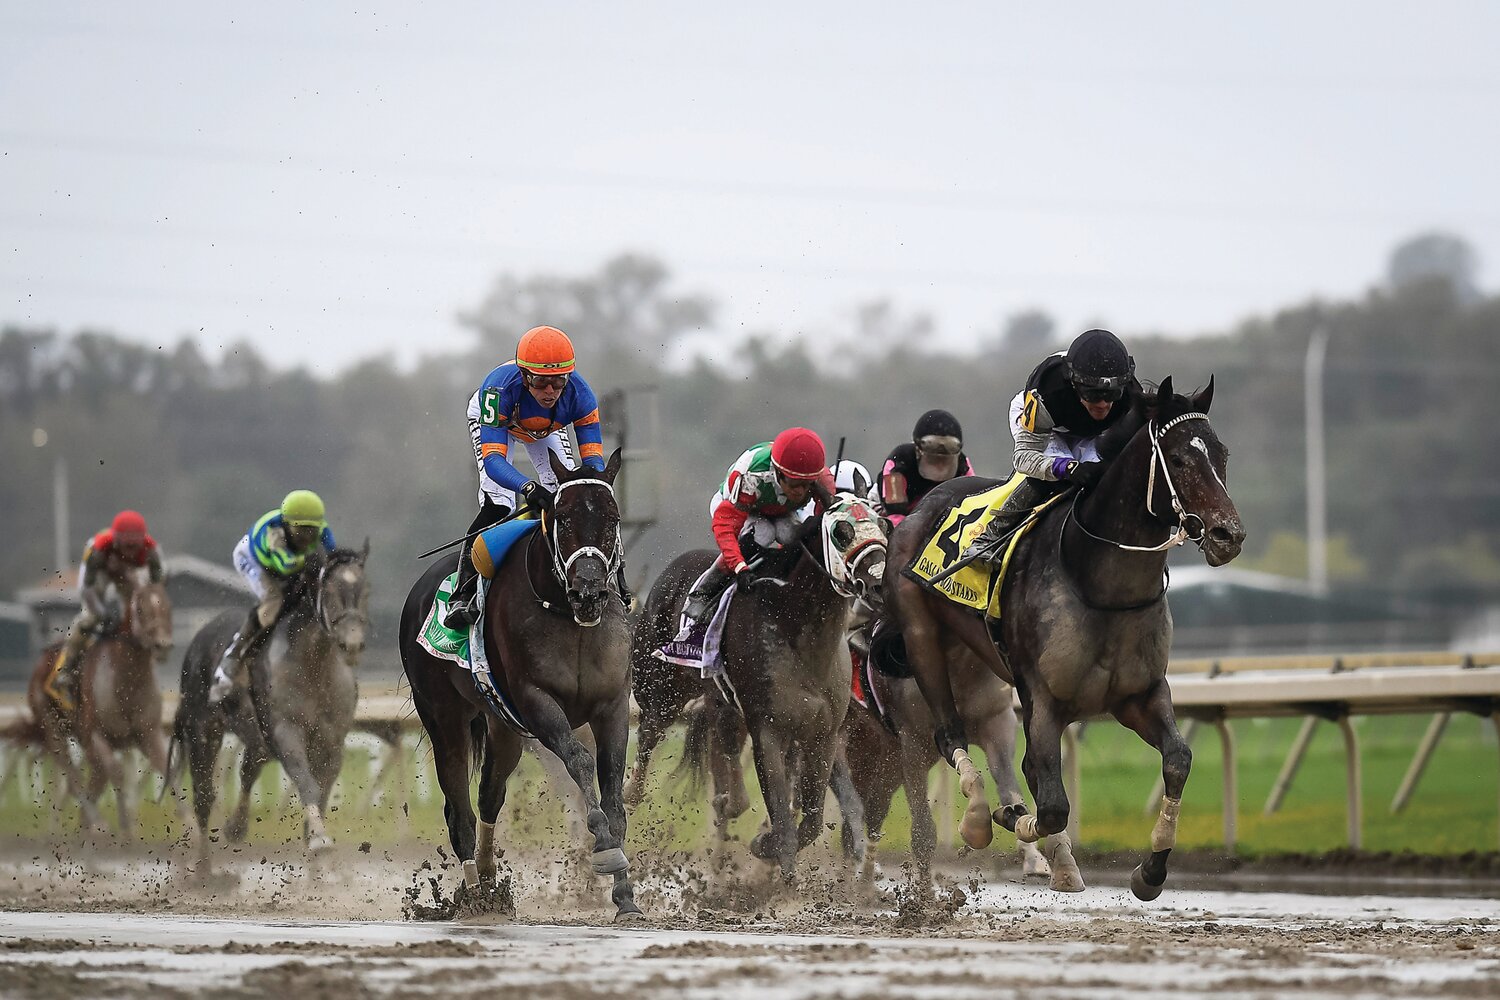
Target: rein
1176,538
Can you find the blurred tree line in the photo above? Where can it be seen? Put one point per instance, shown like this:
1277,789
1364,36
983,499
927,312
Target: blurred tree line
204,447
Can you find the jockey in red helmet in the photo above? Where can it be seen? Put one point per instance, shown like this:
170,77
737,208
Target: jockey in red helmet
120,556
764,497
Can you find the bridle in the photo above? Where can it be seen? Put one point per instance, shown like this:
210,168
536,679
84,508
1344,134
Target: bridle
330,623
1183,532
861,550
561,564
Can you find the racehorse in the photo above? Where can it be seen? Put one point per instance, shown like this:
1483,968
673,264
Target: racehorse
785,660
119,705
302,696
881,761
1085,627
558,644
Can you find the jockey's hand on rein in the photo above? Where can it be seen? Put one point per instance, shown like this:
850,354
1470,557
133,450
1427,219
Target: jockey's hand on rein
531,495
1086,474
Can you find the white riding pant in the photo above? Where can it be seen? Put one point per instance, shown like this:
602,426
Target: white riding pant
267,587
557,442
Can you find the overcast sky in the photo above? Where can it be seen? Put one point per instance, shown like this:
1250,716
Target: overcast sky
333,182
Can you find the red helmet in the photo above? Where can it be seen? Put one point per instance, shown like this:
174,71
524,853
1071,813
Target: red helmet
798,453
545,350
129,527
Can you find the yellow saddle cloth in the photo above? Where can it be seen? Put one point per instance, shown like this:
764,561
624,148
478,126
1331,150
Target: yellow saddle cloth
977,585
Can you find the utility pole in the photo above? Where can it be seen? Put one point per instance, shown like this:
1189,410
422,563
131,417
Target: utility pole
60,511
1317,472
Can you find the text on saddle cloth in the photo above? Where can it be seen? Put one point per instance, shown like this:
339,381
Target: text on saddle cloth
467,649
977,585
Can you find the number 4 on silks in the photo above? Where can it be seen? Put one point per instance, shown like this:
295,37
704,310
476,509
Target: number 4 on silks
949,543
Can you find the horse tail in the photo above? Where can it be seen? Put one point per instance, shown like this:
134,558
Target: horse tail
175,755
697,744
477,733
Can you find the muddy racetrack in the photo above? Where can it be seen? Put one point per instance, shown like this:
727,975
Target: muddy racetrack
135,924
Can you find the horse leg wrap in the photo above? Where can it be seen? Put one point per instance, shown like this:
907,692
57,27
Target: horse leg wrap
1008,815
1026,829
1164,834
484,850
968,774
471,874
1065,874
609,862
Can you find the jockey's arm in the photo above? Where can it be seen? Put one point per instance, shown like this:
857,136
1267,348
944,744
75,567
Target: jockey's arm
155,571
1031,426
92,584
729,518
590,435
327,539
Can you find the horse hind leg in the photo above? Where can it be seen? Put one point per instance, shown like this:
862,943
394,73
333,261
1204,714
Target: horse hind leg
1151,717
238,824
998,739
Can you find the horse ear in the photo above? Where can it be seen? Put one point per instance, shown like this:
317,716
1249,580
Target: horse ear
612,467
559,467
1164,391
1203,400
364,552
861,485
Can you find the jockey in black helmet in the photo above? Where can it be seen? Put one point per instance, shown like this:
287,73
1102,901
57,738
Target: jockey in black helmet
934,455
1069,400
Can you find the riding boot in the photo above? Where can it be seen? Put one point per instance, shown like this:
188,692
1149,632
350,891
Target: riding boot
706,592
463,606
990,545
231,668
626,596
62,683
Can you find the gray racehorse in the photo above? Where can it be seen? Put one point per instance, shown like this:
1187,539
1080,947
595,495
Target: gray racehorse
785,658
303,693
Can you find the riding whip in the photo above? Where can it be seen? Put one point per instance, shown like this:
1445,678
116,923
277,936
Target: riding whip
476,533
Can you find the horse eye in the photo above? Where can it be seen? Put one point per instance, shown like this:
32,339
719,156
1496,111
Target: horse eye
1177,461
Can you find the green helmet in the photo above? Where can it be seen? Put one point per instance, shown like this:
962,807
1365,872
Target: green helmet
303,507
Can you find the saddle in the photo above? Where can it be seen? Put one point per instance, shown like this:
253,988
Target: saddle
978,585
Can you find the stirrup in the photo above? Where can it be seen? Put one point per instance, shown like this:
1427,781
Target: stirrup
460,617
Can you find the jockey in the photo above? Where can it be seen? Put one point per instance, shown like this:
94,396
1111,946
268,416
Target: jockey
935,455
114,557
1070,399
529,401
764,496
269,557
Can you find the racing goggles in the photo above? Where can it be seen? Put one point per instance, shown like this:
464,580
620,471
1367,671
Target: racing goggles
546,381
1101,390
939,445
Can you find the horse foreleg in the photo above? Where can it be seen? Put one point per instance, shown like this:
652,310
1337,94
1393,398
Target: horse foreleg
611,730
1043,767
814,775
1151,717
726,743
202,744
779,843
291,749
550,725
851,808
997,737
915,764
502,752
56,747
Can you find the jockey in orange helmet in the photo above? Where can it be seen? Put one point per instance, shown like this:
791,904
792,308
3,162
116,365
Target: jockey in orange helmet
764,497
528,401
117,557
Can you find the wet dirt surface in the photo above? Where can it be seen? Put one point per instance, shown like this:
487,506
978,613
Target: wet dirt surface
138,925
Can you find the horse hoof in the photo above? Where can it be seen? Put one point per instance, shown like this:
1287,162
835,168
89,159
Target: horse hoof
319,845
762,848
609,862
1033,865
1067,882
1144,890
976,829
630,914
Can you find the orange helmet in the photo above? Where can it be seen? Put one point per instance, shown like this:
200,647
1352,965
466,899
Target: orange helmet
129,527
545,350
798,453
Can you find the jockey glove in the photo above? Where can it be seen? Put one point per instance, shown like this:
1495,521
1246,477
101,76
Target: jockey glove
531,495
1086,474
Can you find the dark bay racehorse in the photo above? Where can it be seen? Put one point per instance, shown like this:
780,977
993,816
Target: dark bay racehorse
558,642
881,761
119,705
301,700
1085,627
784,653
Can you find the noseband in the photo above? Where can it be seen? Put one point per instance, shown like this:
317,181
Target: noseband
562,564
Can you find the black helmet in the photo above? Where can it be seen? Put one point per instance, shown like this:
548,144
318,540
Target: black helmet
1099,366
937,423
